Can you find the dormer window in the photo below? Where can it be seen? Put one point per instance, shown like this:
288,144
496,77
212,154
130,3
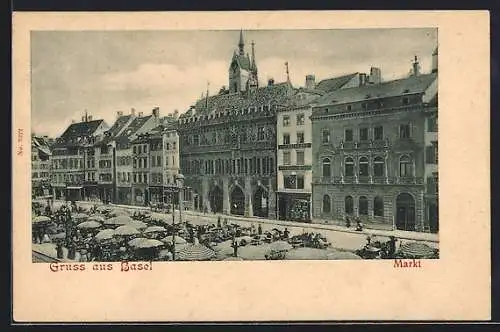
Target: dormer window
349,107
406,101
364,106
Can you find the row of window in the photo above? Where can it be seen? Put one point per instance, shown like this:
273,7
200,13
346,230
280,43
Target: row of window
107,177
62,178
140,162
365,134
91,163
299,139
378,166
70,163
253,165
299,157
378,205
299,120
123,161
138,149
40,166
293,181
90,176
104,163
140,177
197,140
42,175
158,146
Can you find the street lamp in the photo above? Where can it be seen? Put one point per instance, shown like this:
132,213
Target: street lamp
179,179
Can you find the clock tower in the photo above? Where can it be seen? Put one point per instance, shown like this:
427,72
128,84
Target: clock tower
242,68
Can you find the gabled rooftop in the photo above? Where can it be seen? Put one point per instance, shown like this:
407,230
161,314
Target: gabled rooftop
405,86
334,83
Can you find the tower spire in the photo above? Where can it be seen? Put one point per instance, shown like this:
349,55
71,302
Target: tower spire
254,66
287,72
241,44
206,99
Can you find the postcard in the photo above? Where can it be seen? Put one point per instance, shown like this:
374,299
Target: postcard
251,166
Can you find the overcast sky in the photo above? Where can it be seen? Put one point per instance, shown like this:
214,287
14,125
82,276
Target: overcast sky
106,72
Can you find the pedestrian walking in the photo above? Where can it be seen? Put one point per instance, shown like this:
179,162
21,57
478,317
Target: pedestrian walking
59,250
259,229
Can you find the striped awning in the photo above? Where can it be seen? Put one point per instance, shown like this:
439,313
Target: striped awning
416,250
195,252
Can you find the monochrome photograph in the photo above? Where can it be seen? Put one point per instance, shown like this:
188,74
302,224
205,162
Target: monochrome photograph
234,145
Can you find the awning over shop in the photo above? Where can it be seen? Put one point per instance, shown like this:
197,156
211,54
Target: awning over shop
78,187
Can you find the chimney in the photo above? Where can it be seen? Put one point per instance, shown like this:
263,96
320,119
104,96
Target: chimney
141,114
362,79
270,82
156,112
119,114
176,114
90,118
375,75
132,111
416,67
435,61
73,121
310,81
83,119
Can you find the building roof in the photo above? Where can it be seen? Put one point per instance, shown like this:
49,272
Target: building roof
334,83
41,144
118,125
263,96
134,126
409,85
81,129
78,133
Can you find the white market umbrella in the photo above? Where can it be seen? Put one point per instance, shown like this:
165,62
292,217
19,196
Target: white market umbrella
41,219
178,239
90,224
119,220
126,230
105,234
153,229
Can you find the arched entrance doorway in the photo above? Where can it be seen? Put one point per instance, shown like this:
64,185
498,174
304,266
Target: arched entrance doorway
216,199
237,201
260,202
405,212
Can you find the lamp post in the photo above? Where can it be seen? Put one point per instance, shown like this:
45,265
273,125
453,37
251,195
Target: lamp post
179,179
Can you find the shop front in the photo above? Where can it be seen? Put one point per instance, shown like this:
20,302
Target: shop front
74,193
91,191
156,194
106,193
294,206
140,196
124,195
